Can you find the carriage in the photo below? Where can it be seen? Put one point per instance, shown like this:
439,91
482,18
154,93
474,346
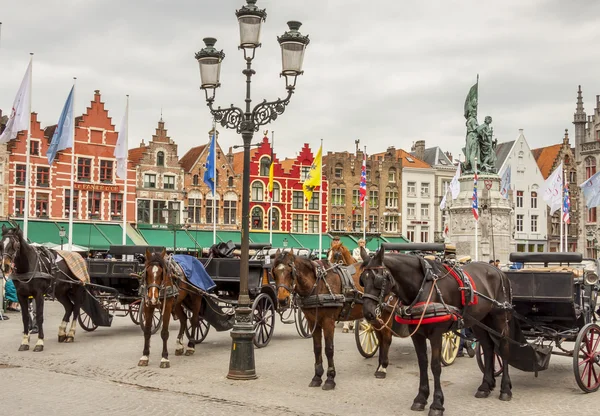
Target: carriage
554,300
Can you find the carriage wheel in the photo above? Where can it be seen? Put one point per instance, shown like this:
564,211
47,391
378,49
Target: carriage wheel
85,321
199,334
263,311
134,312
586,358
450,344
498,365
366,340
302,325
156,319
286,315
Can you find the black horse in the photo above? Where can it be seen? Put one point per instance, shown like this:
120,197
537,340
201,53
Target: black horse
424,286
35,273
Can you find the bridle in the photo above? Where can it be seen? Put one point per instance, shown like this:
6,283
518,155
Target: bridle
382,277
16,244
145,287
293,274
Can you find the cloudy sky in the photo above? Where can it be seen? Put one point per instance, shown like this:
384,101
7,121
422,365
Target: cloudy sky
385,72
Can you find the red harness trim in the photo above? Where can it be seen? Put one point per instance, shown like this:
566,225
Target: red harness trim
460,284
425,321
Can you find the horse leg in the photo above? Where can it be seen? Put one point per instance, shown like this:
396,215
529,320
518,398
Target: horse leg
505,384
487,346
39,317
78,294
164,333
437,405
24,302
318,350
385,341
420,343
328,334
148,313
62,329
180,313
194,323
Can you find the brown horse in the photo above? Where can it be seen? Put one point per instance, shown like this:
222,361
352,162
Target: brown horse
424,284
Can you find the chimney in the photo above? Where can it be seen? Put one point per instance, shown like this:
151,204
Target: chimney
419,149
142,144
449,156
230,155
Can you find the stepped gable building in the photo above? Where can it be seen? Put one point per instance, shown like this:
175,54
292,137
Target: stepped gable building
587,157
199,198
548,158
159,181
98,192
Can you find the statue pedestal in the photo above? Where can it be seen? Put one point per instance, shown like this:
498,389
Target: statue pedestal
494,240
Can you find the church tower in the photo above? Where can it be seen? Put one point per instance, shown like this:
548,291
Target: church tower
580,120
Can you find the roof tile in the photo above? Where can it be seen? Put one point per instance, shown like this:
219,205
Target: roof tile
188,160
545,158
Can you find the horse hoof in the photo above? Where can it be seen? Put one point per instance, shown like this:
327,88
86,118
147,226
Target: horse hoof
38,348
61,338
329,385
380,374
143,363
505,397
345,330
165,364
315,383
24,347
179,352
436,412
69,340
482,394
190,352
417,407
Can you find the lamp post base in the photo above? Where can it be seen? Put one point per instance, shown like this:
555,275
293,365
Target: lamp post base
241,362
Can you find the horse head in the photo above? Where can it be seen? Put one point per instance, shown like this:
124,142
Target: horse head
155,276
10,247
284,273
377,282
341,254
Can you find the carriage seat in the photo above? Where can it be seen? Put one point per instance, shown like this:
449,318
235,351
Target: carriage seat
464,259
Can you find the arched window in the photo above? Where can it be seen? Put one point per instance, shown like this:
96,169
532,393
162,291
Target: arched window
195,180
257,218
276,192
590,167
257,191
534,196
230,181
265,164
274,219
160,159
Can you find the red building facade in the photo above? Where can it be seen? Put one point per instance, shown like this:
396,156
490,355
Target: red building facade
98,192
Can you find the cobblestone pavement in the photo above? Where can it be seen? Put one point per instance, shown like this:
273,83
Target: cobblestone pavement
99,374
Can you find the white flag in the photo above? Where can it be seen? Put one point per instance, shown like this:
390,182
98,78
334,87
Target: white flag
455,184
443,203
505,181
591,191
19,115
122,146
552,189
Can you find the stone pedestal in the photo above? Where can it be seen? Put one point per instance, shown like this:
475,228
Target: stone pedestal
495,220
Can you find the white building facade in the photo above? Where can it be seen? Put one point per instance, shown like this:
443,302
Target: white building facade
418,202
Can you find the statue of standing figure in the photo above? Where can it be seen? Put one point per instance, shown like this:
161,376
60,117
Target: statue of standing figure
480,149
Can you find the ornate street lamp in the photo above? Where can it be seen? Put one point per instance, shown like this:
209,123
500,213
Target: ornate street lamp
293,45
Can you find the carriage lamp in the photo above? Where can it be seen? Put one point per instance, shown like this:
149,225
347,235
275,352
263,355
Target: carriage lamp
285,243
591,278
62,233
245,121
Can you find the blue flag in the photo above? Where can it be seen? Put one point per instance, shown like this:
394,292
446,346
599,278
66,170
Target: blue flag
211,164
62,138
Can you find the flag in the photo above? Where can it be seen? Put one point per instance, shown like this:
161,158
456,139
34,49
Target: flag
313,179
566,205
446,232
471,100
211,164
363,181
552,189
122,147
271,172
591,191
455,184
505,180
63,135
443,203
475,200
19,116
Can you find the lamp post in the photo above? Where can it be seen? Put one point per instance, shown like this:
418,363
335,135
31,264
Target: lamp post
171,219
293,45
285,243
62,233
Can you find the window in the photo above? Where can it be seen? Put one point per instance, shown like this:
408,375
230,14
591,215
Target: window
591,217
391,199
169,182
84,169
274,219
315,201
424,210
106,171
424,234
43,176
519,199
143,211
425,189
20,174
160,159
149,180
356,222
195,180
19,204
298,200
533,199
520,222
297,223
174,212
338,172
534,223
521,248
68,203
554,225
304,173
157,212
540,248
230,181
590,167
265,165
373,199
230,208
257,218
355,197
276,192
411,210
257,191
116,205
368,174
410,234
373,223
313,224
392,176
573,176
338,197
591,249
41,205
94,204
194,209
411,188
531,248
34,147
391,223
337,222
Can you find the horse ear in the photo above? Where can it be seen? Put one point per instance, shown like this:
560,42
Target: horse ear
379,255
277,253
363,254
148,253
163,253
4,228
18,228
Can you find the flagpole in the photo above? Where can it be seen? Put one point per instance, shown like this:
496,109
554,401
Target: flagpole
72,184
126,179
321,204
214,213
561,215
365,204
272,191
28,155
476,221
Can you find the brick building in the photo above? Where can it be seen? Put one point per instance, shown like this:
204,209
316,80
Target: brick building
4,171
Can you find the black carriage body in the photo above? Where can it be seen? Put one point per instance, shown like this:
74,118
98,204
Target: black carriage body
226,274
116,274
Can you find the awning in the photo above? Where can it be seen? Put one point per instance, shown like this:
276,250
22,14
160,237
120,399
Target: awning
43,232
225,236
278,239
396,240
165,238
88,235
203,238
114,233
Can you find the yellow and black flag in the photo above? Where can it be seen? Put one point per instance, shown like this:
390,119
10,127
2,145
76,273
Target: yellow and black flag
313,179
